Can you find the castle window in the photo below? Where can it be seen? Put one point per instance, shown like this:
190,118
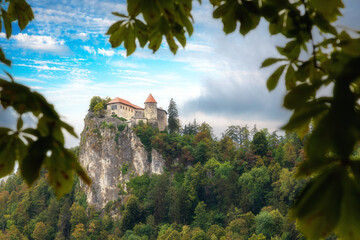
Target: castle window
113,107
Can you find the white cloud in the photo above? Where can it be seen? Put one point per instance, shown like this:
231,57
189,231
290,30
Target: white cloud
131,72
104,52
126,64
140,53
198,47
48,62
36,87
25,79
42,67
89,49
141,79
83,36
39,42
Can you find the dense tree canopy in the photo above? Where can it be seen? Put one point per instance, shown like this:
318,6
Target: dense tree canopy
231,196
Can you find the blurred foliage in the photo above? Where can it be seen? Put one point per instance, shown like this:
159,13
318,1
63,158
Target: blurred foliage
307,64
42,146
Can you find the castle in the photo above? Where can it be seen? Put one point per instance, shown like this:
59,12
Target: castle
151,114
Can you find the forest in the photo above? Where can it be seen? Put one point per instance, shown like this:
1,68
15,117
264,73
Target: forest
239,186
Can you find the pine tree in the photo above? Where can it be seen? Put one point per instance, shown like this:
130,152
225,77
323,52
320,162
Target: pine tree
173,120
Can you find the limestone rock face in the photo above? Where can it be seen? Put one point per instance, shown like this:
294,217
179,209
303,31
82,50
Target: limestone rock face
111,157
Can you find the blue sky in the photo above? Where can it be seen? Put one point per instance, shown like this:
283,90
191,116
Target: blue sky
65,55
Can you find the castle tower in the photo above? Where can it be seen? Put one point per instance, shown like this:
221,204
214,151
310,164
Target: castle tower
151,109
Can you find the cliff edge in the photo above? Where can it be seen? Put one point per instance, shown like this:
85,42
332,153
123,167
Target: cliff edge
111,153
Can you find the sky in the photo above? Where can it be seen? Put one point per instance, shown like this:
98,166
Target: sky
65,55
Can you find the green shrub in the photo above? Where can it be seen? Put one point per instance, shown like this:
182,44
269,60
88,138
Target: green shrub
97,132
145,133
120,118
121,127
107,125
124,169
96,100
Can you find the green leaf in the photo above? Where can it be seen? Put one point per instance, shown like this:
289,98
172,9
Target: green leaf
60,172
68,128
348,227
315,165
32,131
248,20
21,148
275,27
221,11
119,14
117,37
164,26
3,58
167,8
290,79
330,9
270,61
7,153
7,24
141,32
82,174
317,208
324,25
30,166
274,78
351,46
114,27
150,11
181,38
291,50
303,71
215,2
187,23
155,40
134,7
229,21
19,123
129,40
43,126
20,10
320,142
299,95
302,116
173,46
57,134
9,75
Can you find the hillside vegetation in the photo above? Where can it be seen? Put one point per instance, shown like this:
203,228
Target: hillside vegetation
237,187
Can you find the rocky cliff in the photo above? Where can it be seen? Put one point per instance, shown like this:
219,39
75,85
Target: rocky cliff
112,153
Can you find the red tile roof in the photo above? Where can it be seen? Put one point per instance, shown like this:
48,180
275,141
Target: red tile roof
125,102
150,99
